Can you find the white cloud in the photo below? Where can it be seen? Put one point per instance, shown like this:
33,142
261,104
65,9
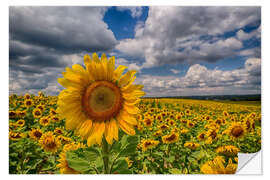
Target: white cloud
176,34
202,81
130,65
242,35
175,71
136,11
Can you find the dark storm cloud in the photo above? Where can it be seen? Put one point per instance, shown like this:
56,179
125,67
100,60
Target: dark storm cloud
67,29
31,58
44,40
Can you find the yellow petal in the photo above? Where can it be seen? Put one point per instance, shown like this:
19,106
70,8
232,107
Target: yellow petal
110,68
85,128
124,80
130,88
132,102
74,77
118,72
114,127
66,83
129,118
132,79
95,57
74,121
91,140
126,127
103,57
98,131
131,109
108,132
87,59
83,73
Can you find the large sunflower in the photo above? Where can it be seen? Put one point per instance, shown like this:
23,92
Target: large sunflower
99,99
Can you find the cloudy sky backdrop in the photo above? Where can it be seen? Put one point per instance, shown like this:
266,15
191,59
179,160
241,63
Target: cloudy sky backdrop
176,50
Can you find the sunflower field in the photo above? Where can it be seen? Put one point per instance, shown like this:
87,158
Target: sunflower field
100,124
173,136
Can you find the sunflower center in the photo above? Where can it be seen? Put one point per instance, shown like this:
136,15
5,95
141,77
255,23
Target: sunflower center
37,134
171,137
202,136
102,100
28,103
237,131
37,113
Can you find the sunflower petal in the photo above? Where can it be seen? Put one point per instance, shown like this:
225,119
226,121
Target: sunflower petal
87,59
130,88
114,127
131,109
124,80
110,68
127,128
129,118
99,130
85,128
119,71
109,132
67,84
95,58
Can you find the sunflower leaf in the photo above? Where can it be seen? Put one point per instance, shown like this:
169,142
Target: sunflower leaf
175,171
76,162
128,145
121,167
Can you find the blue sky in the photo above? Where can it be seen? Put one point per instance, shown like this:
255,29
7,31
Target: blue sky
176,50
122,23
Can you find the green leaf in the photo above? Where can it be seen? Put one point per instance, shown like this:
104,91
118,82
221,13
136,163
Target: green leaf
170,159
199,154
77,163
84,159
116,146
90,153
175,171
121,167
158,154
128,145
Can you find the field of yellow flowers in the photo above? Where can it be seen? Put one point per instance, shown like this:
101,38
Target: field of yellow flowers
173,136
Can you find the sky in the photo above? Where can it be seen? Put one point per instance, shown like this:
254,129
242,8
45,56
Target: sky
177,50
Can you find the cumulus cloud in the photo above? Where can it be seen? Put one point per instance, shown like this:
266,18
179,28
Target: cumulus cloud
129,64
44,40
199,80
178,34
242,35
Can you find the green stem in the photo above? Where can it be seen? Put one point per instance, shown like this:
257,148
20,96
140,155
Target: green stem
105,150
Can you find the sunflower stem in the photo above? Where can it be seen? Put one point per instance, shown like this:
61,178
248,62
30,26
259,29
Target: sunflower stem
105,150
